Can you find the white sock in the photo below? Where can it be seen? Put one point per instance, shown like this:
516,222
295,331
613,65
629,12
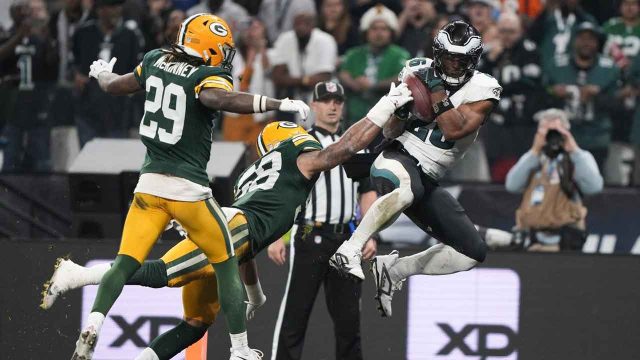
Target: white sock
93,275
382,213
439,259
497,238
147,354
254,293
95,319
239,341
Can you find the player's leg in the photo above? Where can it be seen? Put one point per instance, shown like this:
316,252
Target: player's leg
201,306
440,215
145,221
397,180
306,273
343,302
207,227
176,267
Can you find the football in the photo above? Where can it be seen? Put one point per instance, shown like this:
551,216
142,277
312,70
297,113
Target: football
421,105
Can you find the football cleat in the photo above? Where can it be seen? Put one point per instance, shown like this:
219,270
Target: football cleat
64,276
347,260
86,344
385,287
246,354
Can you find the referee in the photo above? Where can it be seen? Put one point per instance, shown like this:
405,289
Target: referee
323,224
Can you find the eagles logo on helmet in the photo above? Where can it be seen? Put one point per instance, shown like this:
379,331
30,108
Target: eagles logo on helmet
456,50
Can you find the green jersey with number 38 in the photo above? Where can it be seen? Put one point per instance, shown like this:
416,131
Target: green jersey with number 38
272,189
176,128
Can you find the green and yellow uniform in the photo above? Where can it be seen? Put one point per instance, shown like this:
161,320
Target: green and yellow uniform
590,121
268,195
626,37
176,130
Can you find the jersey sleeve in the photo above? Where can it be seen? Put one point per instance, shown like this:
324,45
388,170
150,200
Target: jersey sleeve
139,71
485,87
214,78
306,142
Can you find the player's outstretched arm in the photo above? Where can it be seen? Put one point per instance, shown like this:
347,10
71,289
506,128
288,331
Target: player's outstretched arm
245,103
358,136
459,122
111,83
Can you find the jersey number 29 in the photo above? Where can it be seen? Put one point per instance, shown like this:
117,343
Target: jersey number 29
171,110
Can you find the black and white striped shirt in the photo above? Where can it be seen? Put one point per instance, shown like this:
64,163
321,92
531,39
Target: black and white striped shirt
334,196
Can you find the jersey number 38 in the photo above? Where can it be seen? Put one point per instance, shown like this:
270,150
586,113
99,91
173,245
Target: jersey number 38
262,175
171,100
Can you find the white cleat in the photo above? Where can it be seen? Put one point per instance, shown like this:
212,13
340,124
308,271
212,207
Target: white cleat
86,344
246,354
385,288
63,279
347,260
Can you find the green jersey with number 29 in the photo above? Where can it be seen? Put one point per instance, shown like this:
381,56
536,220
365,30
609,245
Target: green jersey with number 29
272,189
176,128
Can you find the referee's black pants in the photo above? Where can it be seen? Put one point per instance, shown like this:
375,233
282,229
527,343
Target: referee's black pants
308,269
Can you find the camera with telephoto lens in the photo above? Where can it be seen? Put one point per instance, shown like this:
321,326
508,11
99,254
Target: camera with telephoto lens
554,145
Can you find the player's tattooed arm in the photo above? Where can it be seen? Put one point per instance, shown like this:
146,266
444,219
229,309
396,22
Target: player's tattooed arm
115,84
463,120
356,138
394,128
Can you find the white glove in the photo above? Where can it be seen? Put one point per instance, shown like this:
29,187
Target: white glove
253,306
381,112
295,106
100,66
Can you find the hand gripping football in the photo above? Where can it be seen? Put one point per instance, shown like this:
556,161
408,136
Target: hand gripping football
421,104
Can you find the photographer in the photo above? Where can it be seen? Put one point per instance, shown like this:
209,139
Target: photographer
554,175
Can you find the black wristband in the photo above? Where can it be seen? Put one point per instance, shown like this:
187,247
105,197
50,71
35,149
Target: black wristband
441,107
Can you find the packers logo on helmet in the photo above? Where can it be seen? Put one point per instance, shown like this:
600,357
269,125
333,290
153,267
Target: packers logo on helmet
275,133
208,37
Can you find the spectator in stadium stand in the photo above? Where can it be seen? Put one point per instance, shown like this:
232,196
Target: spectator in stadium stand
415,25
553,177
449,7
301,58
586,85
170,32
235,15
278,15
554,28
323,224
623,45
360,7
62,26
250,74
634,87
152,23
336,20
28,73
99,114
368,70
513,60
480,13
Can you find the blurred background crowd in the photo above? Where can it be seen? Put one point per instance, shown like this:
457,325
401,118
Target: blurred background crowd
577,56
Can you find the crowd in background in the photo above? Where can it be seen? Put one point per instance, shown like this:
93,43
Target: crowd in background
578,56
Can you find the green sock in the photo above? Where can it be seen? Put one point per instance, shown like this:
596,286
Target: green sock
152,274
231,295
113,281
177,339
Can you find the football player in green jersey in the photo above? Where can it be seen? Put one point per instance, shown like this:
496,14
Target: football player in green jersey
186,87
268,195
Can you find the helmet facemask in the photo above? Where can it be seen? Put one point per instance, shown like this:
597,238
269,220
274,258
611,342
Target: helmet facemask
456,51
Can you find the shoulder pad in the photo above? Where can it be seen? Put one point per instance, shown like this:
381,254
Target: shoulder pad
480,87
306,142
605,62
529,45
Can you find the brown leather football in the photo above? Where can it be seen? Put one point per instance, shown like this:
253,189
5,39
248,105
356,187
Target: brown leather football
421,105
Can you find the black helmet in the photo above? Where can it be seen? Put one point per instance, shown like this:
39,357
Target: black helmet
460,41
